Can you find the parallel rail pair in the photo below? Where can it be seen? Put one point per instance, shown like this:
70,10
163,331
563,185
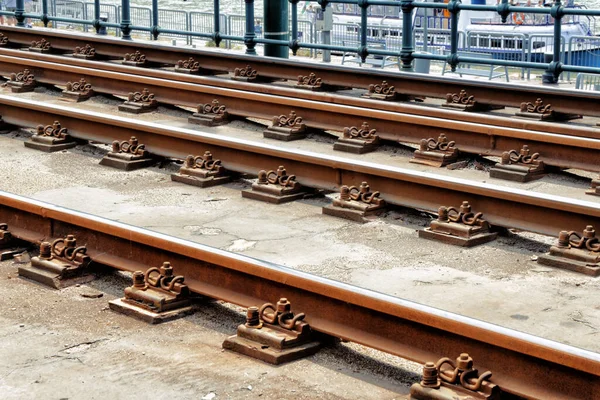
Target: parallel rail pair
565,146
521,364
511,95
501,206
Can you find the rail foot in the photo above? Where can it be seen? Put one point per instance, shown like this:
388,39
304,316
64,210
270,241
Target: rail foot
575,252
358,140
212,114
128,155
436,153
463,101
459,227
356,204
60,264
274,334
275,187
139,102
286,128
543,112
458,381
202,171
77,91
156,296
519,166
51,138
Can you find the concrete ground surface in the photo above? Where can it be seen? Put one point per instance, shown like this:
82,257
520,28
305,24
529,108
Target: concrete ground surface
117,357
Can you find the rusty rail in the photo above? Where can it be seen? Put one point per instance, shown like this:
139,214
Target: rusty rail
563,100
522,364
502,206
578,150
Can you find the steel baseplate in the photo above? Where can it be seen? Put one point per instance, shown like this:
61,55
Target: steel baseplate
436,153
286,128
51,138
77,91
358,140
274,334
60,264
594,189
21,82
156,296
459,227
127,155
575,252
465,102
458,381
275,187
543,112
249,74
202,171
314,83
9,246
193,67
41,46
519,166
86,52
139,102
135,59
212,114
356,203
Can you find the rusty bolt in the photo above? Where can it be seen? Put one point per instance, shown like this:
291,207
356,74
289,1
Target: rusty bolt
283,305
116,146
252,317
442,138
464,362
40,129
430,376
345,193
133,141
189,161
46,250
505,158
364,187
138,279
423,145
465,207
262,177
281,171
70,241
563,239
208,156
443,214
525,150
589,232
166,269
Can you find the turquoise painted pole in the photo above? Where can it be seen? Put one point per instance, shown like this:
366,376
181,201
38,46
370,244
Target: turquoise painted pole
276,27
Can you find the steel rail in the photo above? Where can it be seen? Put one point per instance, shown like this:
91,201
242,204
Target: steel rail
556,149
521,364
501,206
506,94
484,118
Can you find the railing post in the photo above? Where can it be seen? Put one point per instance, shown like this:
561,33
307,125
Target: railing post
555,68
294,40
125,20
45,19
276,27
454,14
19,11
363,52
217,24
406,53
97,26
250,35
154,28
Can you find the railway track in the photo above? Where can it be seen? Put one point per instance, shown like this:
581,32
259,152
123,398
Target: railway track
560,145
502,206
522,364
565,101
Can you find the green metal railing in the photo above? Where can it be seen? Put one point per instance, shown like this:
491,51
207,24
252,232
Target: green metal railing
407,53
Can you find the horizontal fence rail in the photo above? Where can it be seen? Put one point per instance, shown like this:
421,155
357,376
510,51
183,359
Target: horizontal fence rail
364,40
